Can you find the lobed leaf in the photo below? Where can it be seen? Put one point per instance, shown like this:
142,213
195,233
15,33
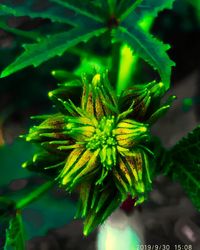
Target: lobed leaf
149,48
185,166
54,45
152,8
85,8
47,9
26,34
126,7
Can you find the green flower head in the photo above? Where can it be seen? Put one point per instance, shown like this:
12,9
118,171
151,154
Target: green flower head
99,146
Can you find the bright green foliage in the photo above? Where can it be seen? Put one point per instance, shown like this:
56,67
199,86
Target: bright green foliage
15,234
102,145
143,43
143,95
185,165
99,147
95,204
53,12
85,8
152,8
51,46
26,34
92,18
148,47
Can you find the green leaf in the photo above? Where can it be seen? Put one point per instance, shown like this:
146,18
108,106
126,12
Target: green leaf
15,234
26,34
85,8
53,11
149,48
112,6
185,166
125,7
54,45
152,8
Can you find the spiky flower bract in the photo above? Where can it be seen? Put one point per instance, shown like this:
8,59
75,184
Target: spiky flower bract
99,147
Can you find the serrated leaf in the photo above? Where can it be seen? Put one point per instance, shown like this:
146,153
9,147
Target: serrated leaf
152,8
49,10
54,45
125,7
86,8
185,166
149,48
188,148
27,34
15,234
189,178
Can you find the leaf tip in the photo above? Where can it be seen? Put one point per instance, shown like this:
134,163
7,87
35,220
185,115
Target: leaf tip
4,74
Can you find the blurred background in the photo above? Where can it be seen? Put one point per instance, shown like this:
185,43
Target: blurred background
168,217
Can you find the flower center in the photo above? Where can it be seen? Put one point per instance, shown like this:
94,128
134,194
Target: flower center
104,136
104,139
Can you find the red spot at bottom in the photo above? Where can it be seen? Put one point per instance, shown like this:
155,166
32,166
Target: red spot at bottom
128,204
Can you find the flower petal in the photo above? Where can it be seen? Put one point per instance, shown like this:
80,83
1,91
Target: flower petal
129,133
45,163
98,98
52,128
132,174
79,165
97,203
63,93
144,96
74,156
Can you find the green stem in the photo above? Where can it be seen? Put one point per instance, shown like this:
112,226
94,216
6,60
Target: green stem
37,193
128,59
130,9
115,64
112,5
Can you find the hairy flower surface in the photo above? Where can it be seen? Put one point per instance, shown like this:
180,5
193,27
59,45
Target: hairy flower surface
99,148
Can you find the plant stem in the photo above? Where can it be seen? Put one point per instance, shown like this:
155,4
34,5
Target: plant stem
127,66
112,5
128,59
34,195
115,63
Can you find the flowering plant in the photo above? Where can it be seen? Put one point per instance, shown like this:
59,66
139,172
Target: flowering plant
100,143
101,148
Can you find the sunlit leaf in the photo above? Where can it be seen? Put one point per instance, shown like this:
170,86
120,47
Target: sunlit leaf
152,8
149,48
86,8
54,45
48,10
